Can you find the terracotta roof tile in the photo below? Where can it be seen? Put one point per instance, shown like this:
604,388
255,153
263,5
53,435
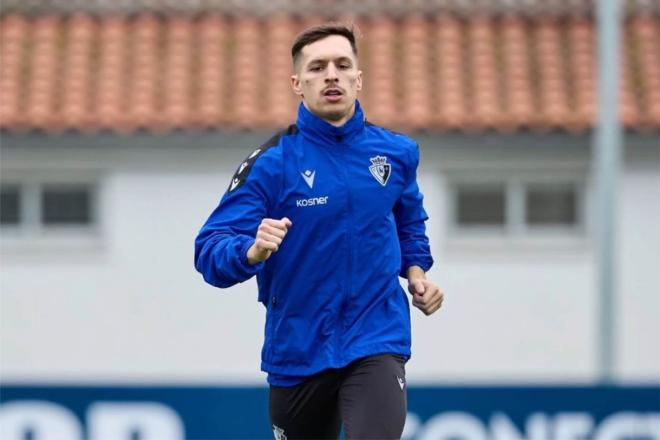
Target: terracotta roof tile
381,71
144,77
416,74
77,71
110,92
516,81
247,62
553,94
485,105
177,80
41,110
629,110
437,72
647,33
13,37
450,84
582,71
213,72
280,102
332,8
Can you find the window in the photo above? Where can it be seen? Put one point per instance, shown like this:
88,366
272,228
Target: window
66,205
30,207
480,205
10,205
550,205
517,206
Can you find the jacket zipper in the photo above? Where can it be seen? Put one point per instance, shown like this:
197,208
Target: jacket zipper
270,330
349,241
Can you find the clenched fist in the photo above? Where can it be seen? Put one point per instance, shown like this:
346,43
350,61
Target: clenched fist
269,237
427,296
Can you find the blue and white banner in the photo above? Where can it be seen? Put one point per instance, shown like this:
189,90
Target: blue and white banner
435,413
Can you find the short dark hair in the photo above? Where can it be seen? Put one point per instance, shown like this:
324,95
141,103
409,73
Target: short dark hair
316,33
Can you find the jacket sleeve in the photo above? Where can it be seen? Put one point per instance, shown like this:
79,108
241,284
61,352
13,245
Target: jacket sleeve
222,243
410,216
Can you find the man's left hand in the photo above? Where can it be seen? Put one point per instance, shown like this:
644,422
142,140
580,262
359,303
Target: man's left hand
427,296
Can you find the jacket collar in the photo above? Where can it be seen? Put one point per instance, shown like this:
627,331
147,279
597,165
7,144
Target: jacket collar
316,128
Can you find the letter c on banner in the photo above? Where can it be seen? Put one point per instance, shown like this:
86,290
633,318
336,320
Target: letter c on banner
571,426
453,425
624,425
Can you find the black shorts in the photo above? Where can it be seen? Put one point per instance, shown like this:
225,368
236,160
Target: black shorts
368,396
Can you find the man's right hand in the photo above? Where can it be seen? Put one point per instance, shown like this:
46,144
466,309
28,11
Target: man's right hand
269,237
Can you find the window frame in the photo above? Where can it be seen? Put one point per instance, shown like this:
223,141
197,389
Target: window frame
476,229
19,203
31,230
578,191
90,191
516,184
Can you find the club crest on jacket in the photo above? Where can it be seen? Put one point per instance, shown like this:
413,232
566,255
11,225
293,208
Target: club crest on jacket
380,169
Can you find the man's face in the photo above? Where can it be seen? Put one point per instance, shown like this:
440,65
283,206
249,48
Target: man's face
327,78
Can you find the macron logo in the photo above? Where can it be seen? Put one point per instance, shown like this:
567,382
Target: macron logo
234,183
309,177
312,201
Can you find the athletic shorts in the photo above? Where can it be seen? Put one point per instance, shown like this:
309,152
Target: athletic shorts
368,396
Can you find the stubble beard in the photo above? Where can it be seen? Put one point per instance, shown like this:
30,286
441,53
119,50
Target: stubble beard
337,114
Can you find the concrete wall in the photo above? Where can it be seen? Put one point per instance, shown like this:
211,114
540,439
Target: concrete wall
638,304
125,304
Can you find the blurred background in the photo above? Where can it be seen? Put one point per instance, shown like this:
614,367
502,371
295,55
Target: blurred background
123,121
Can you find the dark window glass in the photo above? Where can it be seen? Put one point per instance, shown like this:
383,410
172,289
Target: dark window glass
10,205
480,205
551,206
66,205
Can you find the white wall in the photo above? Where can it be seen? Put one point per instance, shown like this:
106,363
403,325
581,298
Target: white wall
638,305
511,313
128,305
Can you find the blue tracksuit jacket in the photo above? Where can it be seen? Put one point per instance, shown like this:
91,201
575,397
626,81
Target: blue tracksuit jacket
331,291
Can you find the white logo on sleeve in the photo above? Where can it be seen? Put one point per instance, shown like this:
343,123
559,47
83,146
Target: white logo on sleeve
242,167
278,433
309,177
402,383
234,182
254,153
380,169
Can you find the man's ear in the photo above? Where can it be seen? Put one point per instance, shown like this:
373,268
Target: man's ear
295,85
358,83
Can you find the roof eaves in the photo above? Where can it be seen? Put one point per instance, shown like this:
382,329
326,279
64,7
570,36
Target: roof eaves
335,8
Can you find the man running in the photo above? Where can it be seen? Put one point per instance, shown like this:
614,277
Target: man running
328,214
